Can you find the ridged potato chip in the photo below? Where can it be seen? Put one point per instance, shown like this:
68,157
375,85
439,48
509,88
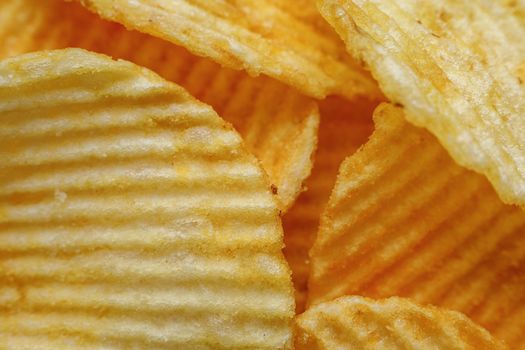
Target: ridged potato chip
359,323
344,127
131,216
405,220
285,40
457,67
279,125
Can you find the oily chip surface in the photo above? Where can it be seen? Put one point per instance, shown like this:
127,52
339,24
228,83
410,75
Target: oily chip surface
405,220
131,216
285,40
278,124
359,323
457,67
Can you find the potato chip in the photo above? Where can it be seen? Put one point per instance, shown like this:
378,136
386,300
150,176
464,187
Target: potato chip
455,66
252,105
131,215
284,40
344,127
354,322
404,219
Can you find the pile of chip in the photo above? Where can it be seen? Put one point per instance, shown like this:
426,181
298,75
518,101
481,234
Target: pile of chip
270,174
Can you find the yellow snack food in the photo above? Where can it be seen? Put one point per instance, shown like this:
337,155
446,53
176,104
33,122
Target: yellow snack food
405,220
344,127
354,322
252,105
132,215
456,67
284,40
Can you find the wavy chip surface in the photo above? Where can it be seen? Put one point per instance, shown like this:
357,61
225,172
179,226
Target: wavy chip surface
130,215
344,127
457,67
404,219
288,41
278,124
360,323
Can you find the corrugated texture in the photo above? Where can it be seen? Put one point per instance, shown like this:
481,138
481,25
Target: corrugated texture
253,105
285,40
405,220
130,215
457,67
395,323
344,127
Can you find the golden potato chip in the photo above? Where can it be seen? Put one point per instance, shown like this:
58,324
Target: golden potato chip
455,66
404,219
252,105
344,127
131,216
284,40
354,322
